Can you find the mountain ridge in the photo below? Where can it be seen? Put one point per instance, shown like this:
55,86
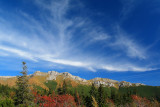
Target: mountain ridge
38,78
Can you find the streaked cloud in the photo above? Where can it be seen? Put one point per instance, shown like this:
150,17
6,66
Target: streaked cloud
129,46
58,39
128,7
17,52
121,68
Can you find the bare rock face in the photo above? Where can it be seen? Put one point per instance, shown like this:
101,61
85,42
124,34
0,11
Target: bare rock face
68,75
79,79
124,84
127,84
104,82
38,73
113,83
52,75
98,83
139,84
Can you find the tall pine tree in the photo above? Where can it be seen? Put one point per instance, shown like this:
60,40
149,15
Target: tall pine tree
23,94
64,87
93,91
101,96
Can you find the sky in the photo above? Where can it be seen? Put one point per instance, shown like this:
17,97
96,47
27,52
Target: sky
116,39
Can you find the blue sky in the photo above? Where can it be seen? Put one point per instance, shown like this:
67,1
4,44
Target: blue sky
116,39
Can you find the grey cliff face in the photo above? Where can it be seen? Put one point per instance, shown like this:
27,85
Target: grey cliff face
53,75
38,73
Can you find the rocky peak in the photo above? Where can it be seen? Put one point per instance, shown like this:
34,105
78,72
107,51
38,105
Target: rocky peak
78,79
67,74
52,75
38,73
112,83
124,84
139,84
104,81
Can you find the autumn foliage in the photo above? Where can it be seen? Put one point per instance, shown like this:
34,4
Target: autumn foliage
54,100
140,102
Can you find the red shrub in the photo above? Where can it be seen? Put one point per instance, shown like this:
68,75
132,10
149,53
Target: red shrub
54,101
141,102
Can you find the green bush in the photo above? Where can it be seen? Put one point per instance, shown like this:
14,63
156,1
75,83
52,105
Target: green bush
6,102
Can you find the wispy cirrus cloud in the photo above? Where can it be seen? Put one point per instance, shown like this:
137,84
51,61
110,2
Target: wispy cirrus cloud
55,38
128,7
127,67
17,52
129,45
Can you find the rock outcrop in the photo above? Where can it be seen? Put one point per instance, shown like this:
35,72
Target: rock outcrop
104,82
138,84
124,84
38,73
53,75
113,83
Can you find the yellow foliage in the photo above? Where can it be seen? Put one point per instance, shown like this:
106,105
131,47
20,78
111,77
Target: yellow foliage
94,103
39,81
8,81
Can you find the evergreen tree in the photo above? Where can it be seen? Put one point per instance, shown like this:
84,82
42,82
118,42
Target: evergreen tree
88,101
64,87
82,96
23,95
93,91
77,98
114,95
59,90
101,96
128,97
50,91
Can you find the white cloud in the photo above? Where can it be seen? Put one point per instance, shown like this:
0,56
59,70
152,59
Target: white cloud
99,36
65,62
51,40
128,7
17,52
128,45
123,68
